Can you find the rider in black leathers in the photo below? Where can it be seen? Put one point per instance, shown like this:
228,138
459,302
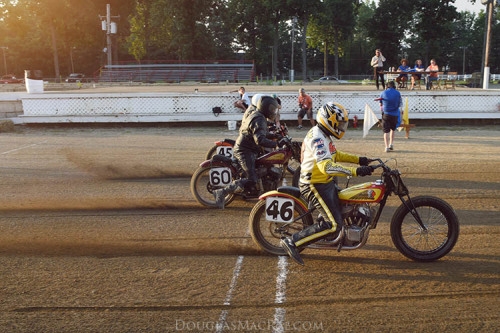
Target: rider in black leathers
253,135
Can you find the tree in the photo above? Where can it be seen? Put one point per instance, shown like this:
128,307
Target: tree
333,26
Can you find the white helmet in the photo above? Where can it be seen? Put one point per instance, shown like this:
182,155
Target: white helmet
332,119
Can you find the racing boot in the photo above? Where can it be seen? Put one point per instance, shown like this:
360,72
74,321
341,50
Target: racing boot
220,194
290,248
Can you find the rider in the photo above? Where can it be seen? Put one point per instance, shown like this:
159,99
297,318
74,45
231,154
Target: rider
253,135
318,168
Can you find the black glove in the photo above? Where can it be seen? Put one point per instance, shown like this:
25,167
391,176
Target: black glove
364,171
365,160
282,142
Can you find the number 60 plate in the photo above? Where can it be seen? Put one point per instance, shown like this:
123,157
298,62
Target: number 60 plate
279,209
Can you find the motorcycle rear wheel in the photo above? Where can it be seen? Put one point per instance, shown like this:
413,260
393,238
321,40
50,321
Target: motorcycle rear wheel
434,243
265,233
202,190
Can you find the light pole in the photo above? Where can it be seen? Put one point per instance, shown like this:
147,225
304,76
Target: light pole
463,64
272,62
71,58
4,59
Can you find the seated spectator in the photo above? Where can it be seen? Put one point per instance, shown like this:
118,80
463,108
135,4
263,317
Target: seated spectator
402,77
418,68
244,100
433,67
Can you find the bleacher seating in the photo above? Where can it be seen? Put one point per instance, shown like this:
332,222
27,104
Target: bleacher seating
235,71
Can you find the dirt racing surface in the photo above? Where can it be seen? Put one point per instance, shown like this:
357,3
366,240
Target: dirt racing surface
100,233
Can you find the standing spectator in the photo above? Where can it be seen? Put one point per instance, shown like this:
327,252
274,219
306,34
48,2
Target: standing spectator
378,67
390,100
402,77
434,68
305,105
244,101
414,77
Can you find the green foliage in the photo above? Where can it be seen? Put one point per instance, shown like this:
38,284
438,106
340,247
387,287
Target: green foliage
42,34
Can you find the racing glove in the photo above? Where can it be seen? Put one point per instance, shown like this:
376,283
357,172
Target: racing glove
365,160
364,171
282,142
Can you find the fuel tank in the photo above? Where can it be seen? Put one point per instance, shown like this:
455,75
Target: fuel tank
274,157
366,192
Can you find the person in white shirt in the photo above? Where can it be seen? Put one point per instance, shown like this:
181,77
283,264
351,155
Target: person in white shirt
244,101
378,67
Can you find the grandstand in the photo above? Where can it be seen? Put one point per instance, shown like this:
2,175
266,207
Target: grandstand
178,71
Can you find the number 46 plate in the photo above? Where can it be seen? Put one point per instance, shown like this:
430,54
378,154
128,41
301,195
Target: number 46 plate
279,209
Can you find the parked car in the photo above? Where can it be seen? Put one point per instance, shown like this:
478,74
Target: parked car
10,78
76,77
330,79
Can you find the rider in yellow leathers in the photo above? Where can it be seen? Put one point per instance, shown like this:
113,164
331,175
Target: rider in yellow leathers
318,168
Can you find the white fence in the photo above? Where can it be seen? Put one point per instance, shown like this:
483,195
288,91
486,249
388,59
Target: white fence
142,107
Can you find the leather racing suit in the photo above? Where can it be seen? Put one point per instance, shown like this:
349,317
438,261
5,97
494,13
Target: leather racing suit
253,135
318,168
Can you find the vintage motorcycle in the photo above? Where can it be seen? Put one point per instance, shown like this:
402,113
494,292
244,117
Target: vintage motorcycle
225,147
222,170
423,228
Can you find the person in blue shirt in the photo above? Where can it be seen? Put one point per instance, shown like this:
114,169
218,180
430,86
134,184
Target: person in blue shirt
390,100
417,77
402,77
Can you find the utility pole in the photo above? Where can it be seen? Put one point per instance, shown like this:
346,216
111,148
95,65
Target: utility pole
487,38
4,59
110,28
292,71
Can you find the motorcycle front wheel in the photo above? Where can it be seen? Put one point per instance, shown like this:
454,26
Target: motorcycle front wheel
267,234
211,153
203,191
418,244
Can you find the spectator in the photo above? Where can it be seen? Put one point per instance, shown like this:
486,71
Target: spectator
402,77
390,100
433,67
305,105
415,77
244,100
378,67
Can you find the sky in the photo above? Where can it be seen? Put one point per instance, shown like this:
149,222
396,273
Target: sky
466,5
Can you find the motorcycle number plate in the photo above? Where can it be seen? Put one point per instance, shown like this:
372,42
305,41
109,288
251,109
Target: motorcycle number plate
220,176
279,209
225,150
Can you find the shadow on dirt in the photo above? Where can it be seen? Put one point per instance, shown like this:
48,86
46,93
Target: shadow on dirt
171,248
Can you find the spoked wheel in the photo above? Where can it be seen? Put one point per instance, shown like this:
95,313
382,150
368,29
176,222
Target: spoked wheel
203,190
425,245
267,234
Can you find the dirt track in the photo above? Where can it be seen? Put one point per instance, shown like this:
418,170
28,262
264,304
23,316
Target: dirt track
99,233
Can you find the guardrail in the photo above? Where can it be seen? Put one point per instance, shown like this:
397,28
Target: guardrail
198,107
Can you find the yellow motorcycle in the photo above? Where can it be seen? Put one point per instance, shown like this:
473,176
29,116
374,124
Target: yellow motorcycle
424,228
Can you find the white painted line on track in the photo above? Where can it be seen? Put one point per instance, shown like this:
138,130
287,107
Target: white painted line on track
279,313
20,148
227,301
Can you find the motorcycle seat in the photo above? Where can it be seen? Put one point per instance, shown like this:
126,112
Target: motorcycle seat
230,141
221,158
295,191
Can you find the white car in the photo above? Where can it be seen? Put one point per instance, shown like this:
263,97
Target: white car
330,79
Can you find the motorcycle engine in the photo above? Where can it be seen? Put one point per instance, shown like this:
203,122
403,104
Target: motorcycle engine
357,218
270,177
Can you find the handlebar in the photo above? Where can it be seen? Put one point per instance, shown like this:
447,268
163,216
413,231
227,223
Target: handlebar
381,164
